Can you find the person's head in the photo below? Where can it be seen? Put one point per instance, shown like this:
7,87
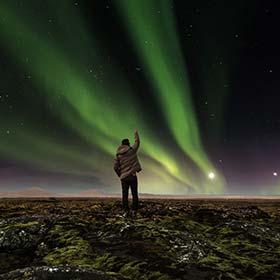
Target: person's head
125,142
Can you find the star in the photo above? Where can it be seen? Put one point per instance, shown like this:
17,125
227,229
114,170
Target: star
275,174
211,175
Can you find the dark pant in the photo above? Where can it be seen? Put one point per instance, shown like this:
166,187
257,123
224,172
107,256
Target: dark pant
133,183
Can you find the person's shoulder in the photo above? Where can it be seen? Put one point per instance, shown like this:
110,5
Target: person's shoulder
123,149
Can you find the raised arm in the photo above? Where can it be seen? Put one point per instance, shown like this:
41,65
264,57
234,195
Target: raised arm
136,140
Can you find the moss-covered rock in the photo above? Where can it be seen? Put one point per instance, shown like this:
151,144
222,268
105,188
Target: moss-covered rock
18,242
171,240
67,247
59,273
20,235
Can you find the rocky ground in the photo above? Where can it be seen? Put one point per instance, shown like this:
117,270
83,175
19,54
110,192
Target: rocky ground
177,239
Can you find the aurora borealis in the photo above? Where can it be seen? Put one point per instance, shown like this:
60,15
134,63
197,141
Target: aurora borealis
79,76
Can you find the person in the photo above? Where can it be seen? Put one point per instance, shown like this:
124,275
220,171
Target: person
126,165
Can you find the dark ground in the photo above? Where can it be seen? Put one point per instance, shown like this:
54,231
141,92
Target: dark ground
176,239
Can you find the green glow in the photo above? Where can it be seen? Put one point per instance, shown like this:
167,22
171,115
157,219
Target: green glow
89,107
151,26
43,151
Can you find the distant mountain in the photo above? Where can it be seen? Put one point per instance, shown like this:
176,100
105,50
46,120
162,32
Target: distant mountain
29,192
39,192
208,196
86,193
150,195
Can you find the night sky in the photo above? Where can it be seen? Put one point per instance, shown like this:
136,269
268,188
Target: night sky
199,79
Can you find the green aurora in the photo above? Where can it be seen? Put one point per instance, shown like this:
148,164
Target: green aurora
93,108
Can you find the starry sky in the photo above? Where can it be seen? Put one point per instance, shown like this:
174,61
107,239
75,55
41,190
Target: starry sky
199,79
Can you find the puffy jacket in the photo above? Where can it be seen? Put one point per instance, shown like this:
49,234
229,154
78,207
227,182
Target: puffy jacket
126,161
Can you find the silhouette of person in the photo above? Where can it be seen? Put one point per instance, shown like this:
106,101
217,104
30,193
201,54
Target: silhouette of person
126,164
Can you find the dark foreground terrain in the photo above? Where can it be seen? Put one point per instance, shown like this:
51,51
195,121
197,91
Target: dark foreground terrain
177,239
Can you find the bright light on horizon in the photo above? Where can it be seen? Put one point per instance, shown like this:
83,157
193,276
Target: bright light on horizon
275,174
211,175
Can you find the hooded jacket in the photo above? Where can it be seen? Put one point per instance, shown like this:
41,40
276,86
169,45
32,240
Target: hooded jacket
126,161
